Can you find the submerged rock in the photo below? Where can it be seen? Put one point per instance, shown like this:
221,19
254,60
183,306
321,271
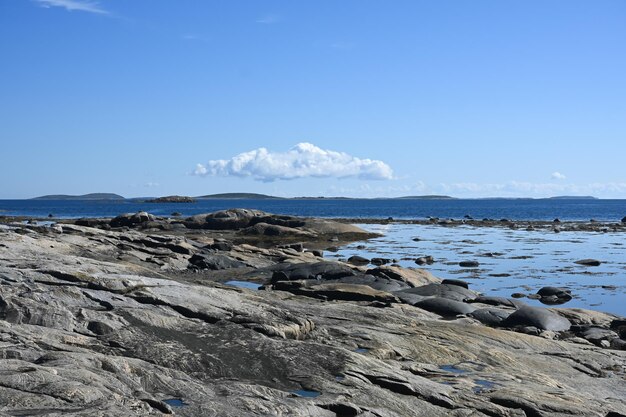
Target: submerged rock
588,262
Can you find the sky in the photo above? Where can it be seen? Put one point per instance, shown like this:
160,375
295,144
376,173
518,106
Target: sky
358,98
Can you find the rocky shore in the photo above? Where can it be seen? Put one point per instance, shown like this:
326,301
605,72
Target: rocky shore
141,315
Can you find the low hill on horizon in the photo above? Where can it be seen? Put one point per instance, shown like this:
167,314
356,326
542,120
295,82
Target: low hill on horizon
91,196
238,196
427,197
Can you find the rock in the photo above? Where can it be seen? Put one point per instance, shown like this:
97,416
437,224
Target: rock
624,219
411,277
490,316
220,246
425,260
538,317
554,295
380,261
588,262
444,307
320,270
518,295
298,247
176,214
451,292
358,260
214,262
498,301
130,219
469,264
273,230
458,282
335,291
557,220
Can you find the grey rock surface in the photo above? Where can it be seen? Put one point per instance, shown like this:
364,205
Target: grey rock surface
98,322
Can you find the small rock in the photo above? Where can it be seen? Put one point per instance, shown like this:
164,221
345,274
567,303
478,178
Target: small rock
588,262
469,264
358,260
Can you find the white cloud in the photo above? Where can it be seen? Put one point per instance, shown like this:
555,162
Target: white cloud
71,5
558,176
303,160
268,19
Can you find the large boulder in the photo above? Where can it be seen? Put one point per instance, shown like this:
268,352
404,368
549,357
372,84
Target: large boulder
231,219
537,317
132,219
490,316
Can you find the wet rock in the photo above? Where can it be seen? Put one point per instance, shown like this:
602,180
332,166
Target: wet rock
588,262
554,295
538,317
380,261
425,260
469,264
358,260
220,246
444,307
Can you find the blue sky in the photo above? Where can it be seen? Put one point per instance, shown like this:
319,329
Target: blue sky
353,97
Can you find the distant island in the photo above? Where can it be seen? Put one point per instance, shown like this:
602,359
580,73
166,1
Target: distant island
427,197
574,197
92,196
172,199
238,196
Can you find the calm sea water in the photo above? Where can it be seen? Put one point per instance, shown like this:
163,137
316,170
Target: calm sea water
584,210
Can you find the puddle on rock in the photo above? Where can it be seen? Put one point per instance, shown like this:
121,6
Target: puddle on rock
483,385
453,369
361,350
175,402
306,393
243,284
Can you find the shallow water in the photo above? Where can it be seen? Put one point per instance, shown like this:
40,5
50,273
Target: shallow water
511,261
243,284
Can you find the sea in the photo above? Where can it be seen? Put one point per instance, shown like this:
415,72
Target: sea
514,209
510,261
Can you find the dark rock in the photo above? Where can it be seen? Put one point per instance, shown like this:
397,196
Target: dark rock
214,261
554,295
557,220
498,301
624,219
469,264
380,261
451,292
298,247
176,214
358,260
88,222
320,270
425,260
444,307
490,316
619,325
220,245
458,282
518,295
538,317
130,219
588,262
597,335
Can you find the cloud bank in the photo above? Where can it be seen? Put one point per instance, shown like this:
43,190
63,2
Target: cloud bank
303,160
71,5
